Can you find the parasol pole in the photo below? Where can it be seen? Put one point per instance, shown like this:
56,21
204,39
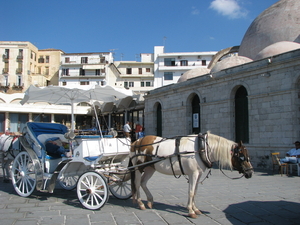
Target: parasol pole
72,115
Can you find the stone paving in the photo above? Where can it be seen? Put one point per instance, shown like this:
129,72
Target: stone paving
263,199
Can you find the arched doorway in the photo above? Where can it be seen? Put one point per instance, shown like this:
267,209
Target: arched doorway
196,115
241,115
158,120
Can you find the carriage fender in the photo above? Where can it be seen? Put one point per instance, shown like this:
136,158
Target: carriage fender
39,174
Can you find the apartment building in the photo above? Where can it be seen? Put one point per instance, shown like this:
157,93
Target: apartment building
168,67
23,64
138,76
85,69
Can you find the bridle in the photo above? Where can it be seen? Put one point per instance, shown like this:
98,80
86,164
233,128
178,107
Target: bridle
241,158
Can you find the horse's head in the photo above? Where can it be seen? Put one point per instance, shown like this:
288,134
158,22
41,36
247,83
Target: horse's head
240,160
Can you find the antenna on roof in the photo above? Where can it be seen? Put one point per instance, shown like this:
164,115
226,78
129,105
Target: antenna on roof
164,40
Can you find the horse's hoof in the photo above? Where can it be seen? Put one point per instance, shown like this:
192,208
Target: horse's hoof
142,207
193,215
198,212
150,205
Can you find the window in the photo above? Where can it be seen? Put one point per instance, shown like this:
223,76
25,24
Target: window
142,84
81,72
128,71
169,61
20,54
84,82
203,62
84,60
140,70
183,63
149,84
64,83
65,72
6,54
97,72
47,58
148,70
125,84
131,84
19,81
102,59
47,70
168,75
41,59
67,59
102,83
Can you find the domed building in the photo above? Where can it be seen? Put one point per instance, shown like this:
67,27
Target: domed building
251,97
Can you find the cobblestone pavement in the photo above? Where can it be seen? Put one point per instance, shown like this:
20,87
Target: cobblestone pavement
263,199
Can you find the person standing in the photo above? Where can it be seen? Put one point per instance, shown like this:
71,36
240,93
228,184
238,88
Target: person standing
127,129
138,129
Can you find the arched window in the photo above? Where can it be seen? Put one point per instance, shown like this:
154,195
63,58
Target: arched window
196,115
158,120
241,115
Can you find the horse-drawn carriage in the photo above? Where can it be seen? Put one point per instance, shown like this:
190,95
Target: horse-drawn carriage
96,163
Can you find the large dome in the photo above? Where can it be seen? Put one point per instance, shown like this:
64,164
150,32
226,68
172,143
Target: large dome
276,49
193,73
280,22
230,62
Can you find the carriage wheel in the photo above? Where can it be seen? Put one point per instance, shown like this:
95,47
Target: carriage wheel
92,190
119,188
68,182
23,174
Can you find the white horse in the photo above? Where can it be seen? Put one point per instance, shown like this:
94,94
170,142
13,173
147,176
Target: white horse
190,155
9,148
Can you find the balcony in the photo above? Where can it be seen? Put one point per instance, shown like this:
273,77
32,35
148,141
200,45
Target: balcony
83,75
5,71
19,58
18,86
19,71
4,85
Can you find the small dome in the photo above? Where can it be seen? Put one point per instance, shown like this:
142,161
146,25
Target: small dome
276,49
279,22
230,62
193,73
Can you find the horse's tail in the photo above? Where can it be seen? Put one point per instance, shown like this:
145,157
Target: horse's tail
132,177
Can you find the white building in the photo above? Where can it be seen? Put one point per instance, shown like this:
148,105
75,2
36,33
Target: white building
168,67
81,69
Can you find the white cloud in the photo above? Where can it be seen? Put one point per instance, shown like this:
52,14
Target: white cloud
195,11
230,8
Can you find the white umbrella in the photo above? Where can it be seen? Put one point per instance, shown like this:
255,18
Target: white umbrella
63,95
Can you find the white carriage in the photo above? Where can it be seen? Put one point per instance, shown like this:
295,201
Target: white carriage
95,166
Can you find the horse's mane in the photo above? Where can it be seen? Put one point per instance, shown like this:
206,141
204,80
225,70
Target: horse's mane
221,149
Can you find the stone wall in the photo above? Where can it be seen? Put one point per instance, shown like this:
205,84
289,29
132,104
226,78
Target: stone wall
273,105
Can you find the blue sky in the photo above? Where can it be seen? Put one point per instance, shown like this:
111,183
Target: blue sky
130,27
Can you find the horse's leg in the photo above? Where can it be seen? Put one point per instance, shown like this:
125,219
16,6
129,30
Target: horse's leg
148,172
196,210
138,177
193,179
5,165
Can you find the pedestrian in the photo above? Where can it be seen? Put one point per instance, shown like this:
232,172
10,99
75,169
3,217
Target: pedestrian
138,130
127,129
292,156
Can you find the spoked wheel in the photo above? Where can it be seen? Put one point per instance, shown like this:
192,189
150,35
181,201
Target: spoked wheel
120,186
23,174
68,182
92,190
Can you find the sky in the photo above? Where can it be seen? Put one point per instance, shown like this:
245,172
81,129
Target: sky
129,27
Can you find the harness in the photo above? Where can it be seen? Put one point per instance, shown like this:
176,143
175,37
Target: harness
176,153
203,150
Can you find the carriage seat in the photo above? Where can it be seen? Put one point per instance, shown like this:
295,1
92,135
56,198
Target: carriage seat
42,138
